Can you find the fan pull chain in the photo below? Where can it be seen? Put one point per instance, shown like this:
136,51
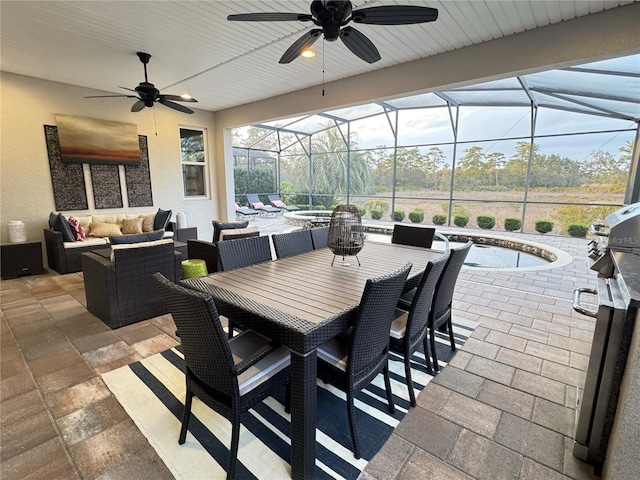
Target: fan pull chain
323,67
155,123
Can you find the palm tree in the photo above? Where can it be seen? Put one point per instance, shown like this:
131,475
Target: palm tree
330,161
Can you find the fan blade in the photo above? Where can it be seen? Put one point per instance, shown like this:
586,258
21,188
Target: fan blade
130,89
394,15
177,98
139,105
175,106
107,96
359,44
300,45
270,17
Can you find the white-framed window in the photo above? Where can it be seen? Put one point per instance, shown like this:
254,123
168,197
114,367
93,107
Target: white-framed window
193,156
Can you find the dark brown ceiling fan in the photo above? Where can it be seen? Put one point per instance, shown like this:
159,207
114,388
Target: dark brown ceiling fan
333,16
147,93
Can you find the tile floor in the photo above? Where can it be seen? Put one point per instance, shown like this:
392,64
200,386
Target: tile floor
504,408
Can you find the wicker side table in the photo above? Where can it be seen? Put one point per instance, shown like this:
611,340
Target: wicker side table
21,259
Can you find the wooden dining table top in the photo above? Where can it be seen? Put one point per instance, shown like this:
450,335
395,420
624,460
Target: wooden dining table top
305,291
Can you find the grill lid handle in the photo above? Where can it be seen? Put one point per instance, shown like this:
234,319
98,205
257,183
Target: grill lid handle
576,301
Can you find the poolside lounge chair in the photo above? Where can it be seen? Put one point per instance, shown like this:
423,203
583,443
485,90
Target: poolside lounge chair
277,202
256,204
245,212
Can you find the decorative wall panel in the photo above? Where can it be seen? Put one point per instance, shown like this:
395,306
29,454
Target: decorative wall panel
67,179
139,179
106,186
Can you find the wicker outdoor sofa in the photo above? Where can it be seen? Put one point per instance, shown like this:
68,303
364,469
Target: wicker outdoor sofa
64,251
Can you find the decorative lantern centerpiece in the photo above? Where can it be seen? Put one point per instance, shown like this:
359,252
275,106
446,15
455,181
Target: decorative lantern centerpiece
346,236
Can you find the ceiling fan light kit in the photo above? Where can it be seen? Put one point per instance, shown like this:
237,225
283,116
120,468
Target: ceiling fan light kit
148,94
333,16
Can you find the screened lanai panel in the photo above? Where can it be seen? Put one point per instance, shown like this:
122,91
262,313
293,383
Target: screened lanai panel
357,112
482,123
425,126
553,122
294,178
311,124
601,106
502,84
491,170
587,83
424,172
373,132
581,168
417,101
490,97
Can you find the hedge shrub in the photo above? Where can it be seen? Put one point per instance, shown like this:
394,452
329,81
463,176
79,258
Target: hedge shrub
578,230
417,215
362,211
439,219
543,226
486,221
461,220
512,224
319,207
376,214
398,215
377,204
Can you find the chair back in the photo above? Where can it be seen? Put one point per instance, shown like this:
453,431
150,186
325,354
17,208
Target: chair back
292,243
443,295
319,236
370,334
414,236
252,198
204,342
244,252
134,268
422,299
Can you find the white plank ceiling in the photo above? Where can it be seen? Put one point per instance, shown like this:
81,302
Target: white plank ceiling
196,50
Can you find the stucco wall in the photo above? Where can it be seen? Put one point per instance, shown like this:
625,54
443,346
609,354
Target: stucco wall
26,192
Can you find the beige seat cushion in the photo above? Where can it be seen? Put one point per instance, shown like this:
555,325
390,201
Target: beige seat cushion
243,346
334,352
399,324
236,232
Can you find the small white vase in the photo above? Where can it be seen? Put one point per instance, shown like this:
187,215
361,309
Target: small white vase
181,220
17,232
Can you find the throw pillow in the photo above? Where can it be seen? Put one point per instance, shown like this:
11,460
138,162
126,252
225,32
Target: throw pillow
162,219
78,231
53,217
147,222
236,233
141,237
99,229
278,203
257,205
219,226
61,225
132,225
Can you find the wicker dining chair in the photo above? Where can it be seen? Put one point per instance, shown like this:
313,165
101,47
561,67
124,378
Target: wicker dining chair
351,361
440,313
244,252
320,236
292,243
229,376
409,328
414,236
240,253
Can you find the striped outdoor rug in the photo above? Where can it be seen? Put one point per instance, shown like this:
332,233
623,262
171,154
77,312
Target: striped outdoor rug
152,392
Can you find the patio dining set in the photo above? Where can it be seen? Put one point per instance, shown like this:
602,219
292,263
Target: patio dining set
300,317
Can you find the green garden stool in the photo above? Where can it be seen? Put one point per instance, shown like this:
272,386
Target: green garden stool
193,268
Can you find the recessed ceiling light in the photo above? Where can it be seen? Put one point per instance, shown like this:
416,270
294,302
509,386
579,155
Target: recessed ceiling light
308,53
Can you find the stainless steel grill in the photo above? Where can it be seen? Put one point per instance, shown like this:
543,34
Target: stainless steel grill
619,233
